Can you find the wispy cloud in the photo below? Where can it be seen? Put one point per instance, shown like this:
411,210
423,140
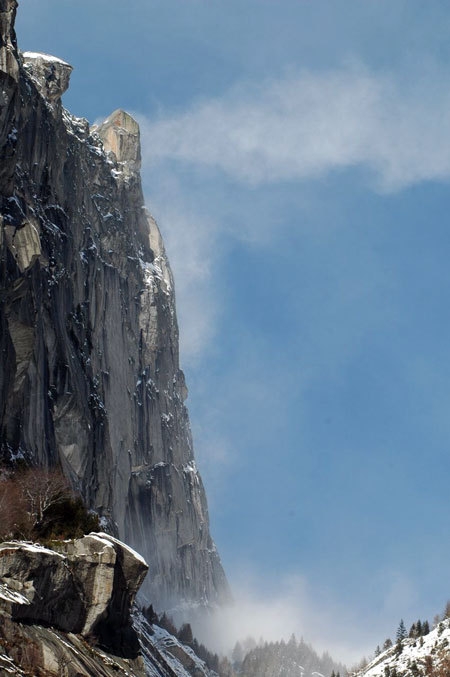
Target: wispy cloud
190,239
307,125
272,615
295,129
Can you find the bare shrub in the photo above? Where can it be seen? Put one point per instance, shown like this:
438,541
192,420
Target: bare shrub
36,503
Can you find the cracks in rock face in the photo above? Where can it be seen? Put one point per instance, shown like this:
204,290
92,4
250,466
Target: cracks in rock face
88,330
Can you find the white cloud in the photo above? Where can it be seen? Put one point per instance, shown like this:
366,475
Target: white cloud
300,127
192,257
304,126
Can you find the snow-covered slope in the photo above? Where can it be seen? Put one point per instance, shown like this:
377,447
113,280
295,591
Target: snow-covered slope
165,654
428,655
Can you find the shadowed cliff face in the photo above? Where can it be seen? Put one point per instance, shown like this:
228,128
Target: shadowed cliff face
89,374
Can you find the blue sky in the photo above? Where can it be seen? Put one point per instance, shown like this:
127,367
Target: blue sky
297,158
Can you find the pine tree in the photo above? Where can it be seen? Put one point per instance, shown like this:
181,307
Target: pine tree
215,663
185,634
401,631
150,614
425,628
238,654
167,623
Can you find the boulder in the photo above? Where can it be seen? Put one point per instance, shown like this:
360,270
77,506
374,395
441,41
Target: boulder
37,586
84,586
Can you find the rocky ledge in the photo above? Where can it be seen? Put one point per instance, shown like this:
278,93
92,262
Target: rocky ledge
65,611
70,605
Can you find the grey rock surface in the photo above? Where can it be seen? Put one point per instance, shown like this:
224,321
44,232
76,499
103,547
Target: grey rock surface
50,74
90,376
38,651
86,586
66,611
8,48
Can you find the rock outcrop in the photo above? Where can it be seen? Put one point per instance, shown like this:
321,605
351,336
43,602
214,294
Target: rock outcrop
50,75
65,611
89,376
86,587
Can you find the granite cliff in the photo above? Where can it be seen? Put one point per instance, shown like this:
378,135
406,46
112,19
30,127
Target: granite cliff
89,376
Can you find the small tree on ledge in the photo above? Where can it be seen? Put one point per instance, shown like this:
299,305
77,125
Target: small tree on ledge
37,503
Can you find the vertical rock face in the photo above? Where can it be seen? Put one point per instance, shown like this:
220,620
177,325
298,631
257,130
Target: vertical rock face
89,375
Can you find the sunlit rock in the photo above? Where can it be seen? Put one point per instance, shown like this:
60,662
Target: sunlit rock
50,74
120,135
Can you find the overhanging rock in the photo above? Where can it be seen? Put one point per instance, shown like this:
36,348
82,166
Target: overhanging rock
84,586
